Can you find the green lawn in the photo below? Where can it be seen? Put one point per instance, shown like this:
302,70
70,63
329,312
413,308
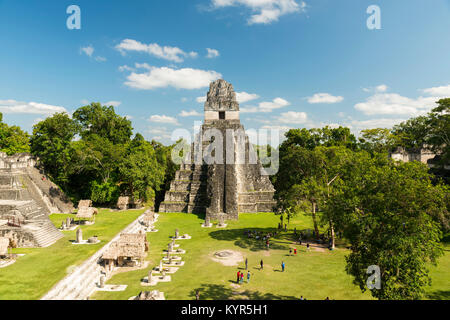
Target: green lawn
32,275
314,275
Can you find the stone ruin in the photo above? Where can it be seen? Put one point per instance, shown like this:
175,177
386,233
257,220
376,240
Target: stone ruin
27,197
123,203
220,187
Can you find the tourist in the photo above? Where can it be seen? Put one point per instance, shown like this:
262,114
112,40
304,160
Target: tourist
301,298
197,295
282,266
295,251
248,276
307,246
290,251
262,265
242,277
246,264
238,276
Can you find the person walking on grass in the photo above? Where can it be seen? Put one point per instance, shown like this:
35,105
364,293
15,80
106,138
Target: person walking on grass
246,264
238,277
307,246
242,277
295,251
248,276
290,251
262,265
282,266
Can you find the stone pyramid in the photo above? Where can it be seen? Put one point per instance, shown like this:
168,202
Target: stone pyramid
234,182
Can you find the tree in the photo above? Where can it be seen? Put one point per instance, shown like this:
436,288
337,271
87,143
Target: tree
140,170
389,213
439,130
13,139
377,140
52,143
103,121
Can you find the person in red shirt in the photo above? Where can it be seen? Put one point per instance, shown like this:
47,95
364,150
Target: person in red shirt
295,251
238,277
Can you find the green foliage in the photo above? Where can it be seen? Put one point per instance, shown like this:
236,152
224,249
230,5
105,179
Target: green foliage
140,169
104,162
52,143
377,140
13,140
96,119
389,214
104,193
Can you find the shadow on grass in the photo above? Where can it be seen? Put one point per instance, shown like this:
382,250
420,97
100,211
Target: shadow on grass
280,242
221,292
439,295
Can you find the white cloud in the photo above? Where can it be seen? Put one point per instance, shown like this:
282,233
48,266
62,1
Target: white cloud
395,104
184,99
125,68
243,97
264,11
267,106
293,117
185,78
201,99
325,98
112,103
100,59
443,91
212,53
163,119
191,113
358,125
381,88
89,50
13,106
168,53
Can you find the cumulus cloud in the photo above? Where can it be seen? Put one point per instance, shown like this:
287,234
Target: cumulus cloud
293,117
381,88
358,125
264,11
395,104
89,50
325,98
243,97
112,103
100,59
186,78
443,91
212,53
201,99
163,119
267,106
191,113
174,54
13,106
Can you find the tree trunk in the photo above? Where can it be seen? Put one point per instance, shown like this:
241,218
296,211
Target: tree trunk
316,228
332,235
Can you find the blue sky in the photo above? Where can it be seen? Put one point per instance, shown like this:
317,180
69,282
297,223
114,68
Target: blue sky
294,63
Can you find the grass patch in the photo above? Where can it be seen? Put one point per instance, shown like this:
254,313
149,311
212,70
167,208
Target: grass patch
314,275
34,274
